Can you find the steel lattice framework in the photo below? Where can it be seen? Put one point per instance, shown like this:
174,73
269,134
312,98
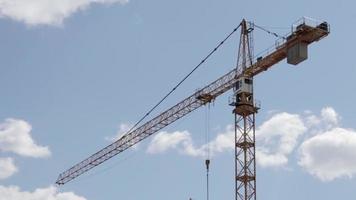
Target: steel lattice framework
244,110
306,33
245,153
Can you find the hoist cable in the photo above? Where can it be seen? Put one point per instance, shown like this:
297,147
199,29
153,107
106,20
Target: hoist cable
185,78
207,140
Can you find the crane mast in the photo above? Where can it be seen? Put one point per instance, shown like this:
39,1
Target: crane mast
240,79
244,111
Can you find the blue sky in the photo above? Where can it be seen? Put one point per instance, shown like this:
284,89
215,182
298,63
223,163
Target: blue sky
75,74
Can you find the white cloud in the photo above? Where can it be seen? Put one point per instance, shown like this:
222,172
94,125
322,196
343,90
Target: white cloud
277,138
123,128
330,151
325,150
330,155
312,120
49,193
223,141
7,168
180,141
15,137
267,159
164,141
48,12
183,143
330,116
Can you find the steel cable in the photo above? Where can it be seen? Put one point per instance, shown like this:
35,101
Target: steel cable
185,78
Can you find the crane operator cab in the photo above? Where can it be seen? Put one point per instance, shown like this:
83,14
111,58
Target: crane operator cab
244,91
243,97
244,85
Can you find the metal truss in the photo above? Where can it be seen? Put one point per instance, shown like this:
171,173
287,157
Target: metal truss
245,162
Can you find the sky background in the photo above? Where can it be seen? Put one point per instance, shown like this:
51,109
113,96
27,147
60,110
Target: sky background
75,74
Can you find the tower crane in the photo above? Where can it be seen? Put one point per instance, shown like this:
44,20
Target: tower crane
293,47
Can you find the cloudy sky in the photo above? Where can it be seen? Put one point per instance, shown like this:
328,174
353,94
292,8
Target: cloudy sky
75,75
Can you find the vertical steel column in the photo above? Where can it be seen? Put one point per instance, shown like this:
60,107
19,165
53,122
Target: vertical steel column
244,111
245,162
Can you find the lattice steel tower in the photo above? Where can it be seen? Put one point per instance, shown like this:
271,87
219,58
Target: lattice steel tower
244,111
